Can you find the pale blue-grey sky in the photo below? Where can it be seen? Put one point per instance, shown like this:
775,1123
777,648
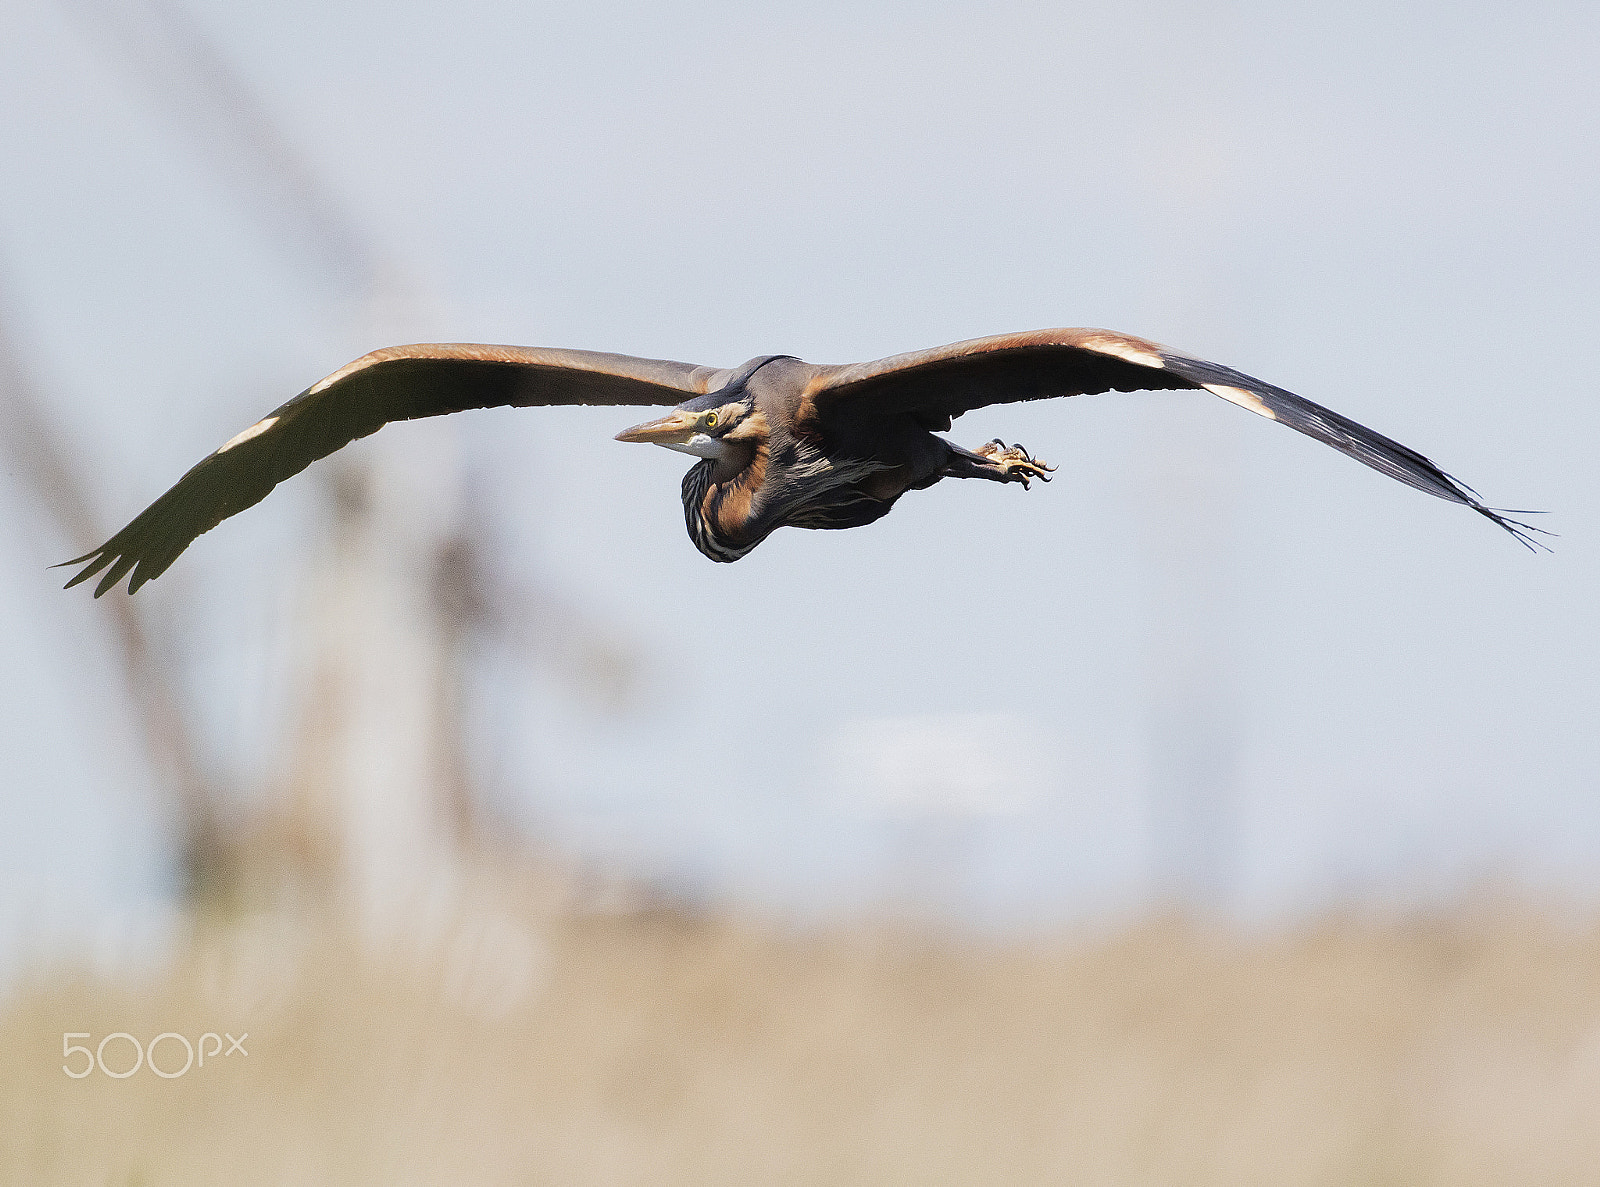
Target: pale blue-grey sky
1388,209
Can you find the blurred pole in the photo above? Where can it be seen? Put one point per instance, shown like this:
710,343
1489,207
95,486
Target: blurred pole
1191,695
379,784
373,745
168,54
51,474
1188,538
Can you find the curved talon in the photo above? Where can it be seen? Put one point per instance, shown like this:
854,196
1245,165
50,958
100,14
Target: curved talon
1014,462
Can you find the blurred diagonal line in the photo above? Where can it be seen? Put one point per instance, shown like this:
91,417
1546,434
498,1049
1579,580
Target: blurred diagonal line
169,54
165,51
49,472
36,449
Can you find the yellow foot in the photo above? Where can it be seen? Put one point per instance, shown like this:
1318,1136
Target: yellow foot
1014,463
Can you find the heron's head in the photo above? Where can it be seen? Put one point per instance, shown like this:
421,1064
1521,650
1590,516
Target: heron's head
723,426
712,427
719,494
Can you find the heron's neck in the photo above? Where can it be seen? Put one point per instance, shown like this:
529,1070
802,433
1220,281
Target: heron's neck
731,502
736,460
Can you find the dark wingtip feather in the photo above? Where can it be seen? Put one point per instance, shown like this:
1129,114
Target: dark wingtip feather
1521,532
116,573
93,562
1354,440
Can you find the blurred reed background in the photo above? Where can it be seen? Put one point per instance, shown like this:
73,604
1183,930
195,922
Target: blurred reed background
1253,837
669,1046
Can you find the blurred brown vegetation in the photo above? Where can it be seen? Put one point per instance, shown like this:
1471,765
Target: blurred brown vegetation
662,1046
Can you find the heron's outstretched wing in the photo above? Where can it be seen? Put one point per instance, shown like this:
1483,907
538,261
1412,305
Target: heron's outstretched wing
1011,368
396,383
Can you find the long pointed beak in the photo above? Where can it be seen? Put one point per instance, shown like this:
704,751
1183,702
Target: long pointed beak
675,428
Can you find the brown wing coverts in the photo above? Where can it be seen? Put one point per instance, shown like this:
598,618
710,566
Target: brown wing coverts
398,383
1004,369
1011,368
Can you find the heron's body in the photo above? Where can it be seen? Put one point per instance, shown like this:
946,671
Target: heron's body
779,442
784,467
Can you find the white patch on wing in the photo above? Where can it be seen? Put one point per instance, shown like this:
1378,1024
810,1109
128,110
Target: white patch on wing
1126,352
329,381
380,356
1237,395
255,430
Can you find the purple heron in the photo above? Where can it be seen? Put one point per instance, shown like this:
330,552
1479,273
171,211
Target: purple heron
780,442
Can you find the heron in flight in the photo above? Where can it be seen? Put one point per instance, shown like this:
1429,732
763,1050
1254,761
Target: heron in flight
780,442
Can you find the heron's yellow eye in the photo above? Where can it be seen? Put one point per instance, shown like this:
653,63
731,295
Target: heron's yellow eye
711,420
